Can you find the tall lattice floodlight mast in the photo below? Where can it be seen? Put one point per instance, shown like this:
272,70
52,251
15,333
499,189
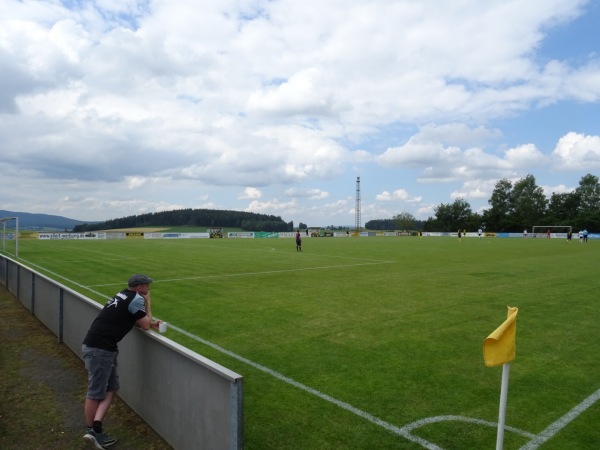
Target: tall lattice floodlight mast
357,207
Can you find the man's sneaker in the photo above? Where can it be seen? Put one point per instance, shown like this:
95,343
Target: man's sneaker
108,440
94,439
99,440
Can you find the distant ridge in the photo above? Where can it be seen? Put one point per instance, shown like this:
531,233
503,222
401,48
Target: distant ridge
41,222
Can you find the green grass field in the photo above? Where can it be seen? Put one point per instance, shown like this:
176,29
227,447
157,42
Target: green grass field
354,331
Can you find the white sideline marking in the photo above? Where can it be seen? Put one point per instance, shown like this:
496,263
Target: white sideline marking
66,279
388,426
406,430
266,272
226,275
562,422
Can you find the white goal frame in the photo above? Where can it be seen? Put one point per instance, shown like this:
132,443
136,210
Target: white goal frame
544,229
10,235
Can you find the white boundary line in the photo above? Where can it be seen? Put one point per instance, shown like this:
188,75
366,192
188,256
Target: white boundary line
66,279
562,422
269,272
226,275
430,420
394,429
266,272
406,430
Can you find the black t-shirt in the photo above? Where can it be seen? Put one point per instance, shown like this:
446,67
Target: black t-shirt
116,319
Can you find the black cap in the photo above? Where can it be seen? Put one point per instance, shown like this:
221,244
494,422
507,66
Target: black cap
138,279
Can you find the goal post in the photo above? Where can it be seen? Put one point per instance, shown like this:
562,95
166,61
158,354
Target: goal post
542,230
9,229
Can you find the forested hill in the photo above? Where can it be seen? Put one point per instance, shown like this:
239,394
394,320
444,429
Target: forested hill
29,221
194,218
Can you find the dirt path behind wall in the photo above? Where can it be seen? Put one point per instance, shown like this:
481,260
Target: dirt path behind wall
42,386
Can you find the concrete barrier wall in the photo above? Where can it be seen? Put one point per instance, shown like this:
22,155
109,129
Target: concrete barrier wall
190,401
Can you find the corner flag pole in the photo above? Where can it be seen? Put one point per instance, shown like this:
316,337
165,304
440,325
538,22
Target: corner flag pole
499,349
502,413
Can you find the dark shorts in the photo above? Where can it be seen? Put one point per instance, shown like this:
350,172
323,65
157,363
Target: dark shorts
298,242
101,366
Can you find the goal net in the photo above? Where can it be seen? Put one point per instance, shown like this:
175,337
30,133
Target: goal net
9,234
554,231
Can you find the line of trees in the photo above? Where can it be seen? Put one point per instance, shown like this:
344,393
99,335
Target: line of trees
513,208
194,218
402,221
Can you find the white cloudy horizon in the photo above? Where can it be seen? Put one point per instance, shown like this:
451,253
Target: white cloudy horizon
110,109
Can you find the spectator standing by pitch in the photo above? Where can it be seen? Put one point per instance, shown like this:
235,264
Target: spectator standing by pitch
127,308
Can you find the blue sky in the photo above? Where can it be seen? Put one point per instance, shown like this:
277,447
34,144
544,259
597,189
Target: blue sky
115,108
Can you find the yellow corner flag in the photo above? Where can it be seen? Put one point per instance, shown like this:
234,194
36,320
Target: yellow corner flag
499,347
